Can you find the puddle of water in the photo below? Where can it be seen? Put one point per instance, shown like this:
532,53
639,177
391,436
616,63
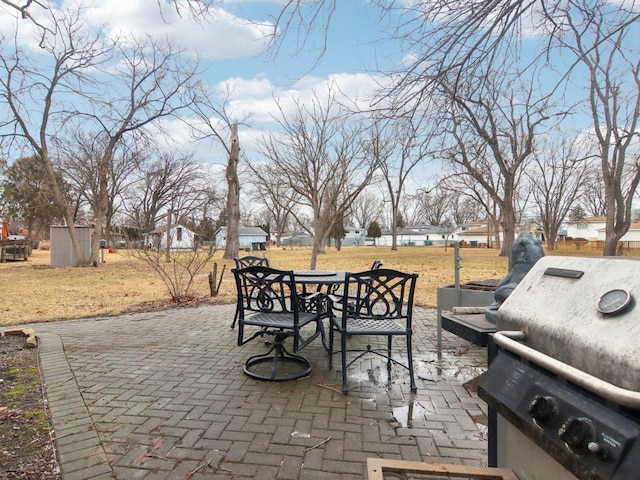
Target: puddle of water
377,376
459,375
415,411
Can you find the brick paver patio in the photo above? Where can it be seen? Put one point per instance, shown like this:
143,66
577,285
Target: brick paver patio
162,396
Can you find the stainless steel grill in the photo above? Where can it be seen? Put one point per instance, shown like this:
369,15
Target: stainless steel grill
564,377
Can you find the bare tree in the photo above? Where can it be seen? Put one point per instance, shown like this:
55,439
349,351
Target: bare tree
80,160
489,133
556,177
463,206
150,83
195,9
593,195
398,147
214,123
158,184
365,209
320,157
433,205
272,191
604,42
35,96
115,91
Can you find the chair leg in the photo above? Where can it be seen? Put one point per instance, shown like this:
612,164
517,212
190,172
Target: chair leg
414,389
276,356
331,333
343,342
235,319
389,337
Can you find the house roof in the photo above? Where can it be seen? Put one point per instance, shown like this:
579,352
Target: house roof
251,231
588,220
163,228
295,235
242,230
633,226
424,230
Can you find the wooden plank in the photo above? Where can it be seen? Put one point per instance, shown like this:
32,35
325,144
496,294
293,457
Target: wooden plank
377,467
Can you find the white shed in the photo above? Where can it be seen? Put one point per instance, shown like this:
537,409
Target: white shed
181,238
248,238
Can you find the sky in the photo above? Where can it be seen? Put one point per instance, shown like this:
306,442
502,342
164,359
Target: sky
232,51
233,55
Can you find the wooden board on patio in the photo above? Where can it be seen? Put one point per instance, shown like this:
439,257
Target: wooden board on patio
377,467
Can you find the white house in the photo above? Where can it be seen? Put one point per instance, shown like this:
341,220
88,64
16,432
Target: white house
632,235
296,239
476,233
248,238
418,235
181,238
587,228
353,235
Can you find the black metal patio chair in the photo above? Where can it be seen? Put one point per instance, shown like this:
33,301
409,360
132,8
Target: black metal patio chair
380,303
243,262
376,264
251,260
269,305
338,289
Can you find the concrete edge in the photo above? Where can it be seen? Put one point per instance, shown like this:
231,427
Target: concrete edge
80,450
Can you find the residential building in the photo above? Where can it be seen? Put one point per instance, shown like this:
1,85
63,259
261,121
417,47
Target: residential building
249,238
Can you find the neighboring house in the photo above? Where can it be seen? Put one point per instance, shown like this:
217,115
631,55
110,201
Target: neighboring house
354,235
476,234
587,228
632,235
247,237
419,235
181,238
296,239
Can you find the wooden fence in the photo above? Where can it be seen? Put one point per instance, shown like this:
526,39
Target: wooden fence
624,248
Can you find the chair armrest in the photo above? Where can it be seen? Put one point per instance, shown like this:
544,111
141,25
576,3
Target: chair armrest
311,303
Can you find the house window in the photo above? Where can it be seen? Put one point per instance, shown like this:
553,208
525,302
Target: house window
179,234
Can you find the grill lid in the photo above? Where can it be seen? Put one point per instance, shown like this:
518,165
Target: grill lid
583,312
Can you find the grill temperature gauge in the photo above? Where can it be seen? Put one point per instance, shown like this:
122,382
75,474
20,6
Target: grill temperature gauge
614,301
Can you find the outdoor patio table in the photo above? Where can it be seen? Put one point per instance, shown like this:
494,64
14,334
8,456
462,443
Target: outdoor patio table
319,281
320,278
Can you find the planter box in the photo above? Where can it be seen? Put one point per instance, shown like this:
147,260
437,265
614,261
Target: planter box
470,326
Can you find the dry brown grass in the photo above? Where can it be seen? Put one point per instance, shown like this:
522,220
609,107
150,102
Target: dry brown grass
32,291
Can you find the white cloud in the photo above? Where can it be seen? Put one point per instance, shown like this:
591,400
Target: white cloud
257,98
221,36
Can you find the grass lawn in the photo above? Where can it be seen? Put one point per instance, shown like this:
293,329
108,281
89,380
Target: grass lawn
31,291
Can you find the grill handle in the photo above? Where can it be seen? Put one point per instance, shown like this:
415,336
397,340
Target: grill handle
509,341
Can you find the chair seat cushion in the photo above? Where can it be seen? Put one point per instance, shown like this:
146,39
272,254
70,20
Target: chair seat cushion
278,320
368,326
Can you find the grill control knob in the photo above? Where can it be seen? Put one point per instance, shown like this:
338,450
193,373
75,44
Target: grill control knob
578,433
598,449
543,409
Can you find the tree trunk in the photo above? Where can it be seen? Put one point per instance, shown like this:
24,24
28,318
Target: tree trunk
233,197
99,231
168,232
314,256
62,204
394,231
508,230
